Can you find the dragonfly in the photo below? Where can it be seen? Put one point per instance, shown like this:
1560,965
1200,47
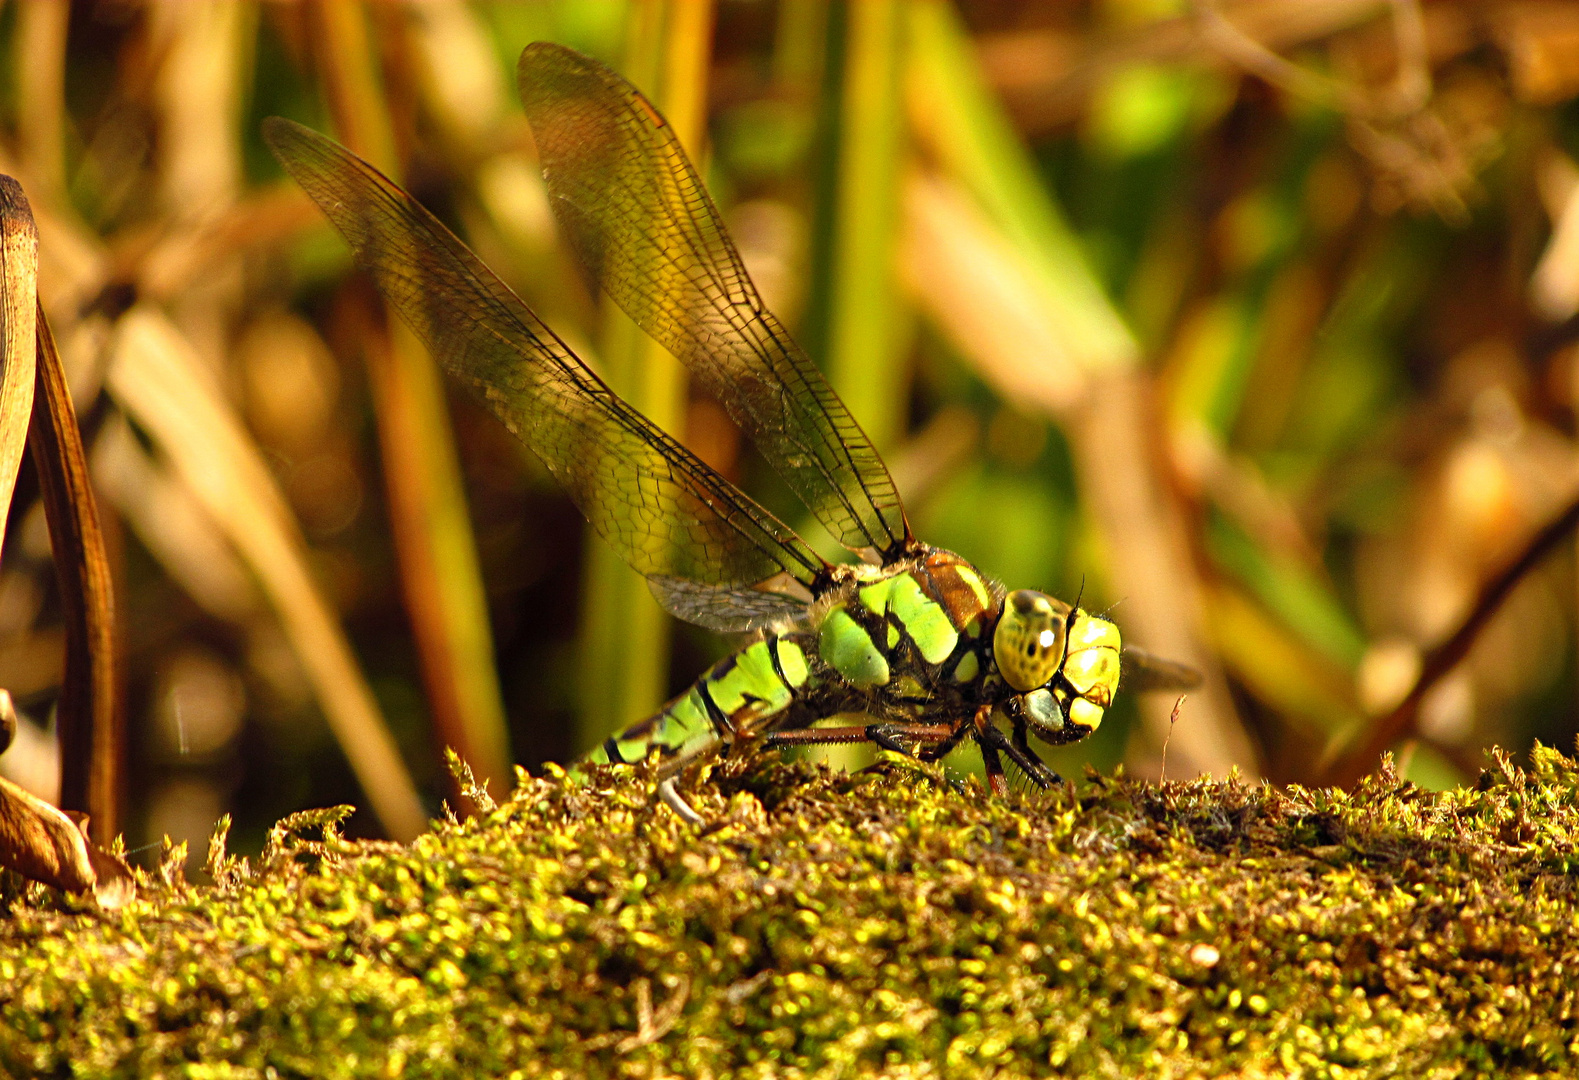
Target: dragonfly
928,651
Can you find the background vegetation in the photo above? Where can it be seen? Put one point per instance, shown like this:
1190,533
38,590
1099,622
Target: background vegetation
1250,322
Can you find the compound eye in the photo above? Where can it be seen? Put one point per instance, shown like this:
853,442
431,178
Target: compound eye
1028,643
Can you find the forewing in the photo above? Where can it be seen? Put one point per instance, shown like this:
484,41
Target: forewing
662,508
639,216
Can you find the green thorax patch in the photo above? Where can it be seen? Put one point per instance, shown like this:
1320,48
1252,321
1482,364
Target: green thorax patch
930,604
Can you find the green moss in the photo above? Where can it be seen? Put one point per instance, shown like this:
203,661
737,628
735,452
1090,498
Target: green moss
842,926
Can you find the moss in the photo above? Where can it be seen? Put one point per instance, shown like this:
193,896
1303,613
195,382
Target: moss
838,926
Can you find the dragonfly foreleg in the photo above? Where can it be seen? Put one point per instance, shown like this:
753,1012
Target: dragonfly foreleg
1019,752
1022,743
994,765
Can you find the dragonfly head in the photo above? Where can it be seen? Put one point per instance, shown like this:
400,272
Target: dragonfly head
1063,661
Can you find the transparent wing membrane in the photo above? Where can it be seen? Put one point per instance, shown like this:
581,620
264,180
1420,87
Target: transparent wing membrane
1145,672
663,509
634,208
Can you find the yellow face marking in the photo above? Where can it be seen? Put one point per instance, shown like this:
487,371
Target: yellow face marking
1092,668
1094,674
1085,714
1089,632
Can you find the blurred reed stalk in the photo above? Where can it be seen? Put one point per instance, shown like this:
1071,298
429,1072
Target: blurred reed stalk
624,636
863,351
440,577
39,53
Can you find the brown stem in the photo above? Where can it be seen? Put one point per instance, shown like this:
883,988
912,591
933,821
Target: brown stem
88,717
1444,657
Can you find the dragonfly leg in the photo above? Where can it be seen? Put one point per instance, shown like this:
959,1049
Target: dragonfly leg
1023,744
995,779
1023,756
883,737
886,735
945,746
889,736
675,801
822,736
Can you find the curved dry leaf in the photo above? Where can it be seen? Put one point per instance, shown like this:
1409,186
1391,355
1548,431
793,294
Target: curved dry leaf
8,721
43,843
113,885
18,303
88,715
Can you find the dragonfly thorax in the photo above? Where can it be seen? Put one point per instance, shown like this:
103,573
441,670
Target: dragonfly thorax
932,635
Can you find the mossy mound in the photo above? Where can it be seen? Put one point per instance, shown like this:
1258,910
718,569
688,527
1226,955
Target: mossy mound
837,926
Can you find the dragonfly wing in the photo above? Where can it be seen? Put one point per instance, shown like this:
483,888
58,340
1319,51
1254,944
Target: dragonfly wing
1147,673
662,508
634,208
729,611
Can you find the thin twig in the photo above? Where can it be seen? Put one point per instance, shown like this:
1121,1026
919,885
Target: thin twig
653,1024
1410,92
1173,718
1444,657
1259,60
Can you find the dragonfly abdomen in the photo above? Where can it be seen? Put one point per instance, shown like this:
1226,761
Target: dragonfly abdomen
740,693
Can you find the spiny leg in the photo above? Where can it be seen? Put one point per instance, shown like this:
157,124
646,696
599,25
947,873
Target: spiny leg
995,779
1020,752
1022,743
940,750
1026,759
886,735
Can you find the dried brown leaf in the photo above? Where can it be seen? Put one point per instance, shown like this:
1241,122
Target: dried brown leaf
18,302
89,716
44,843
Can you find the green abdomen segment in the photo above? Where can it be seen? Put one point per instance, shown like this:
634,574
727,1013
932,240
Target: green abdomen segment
740,693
